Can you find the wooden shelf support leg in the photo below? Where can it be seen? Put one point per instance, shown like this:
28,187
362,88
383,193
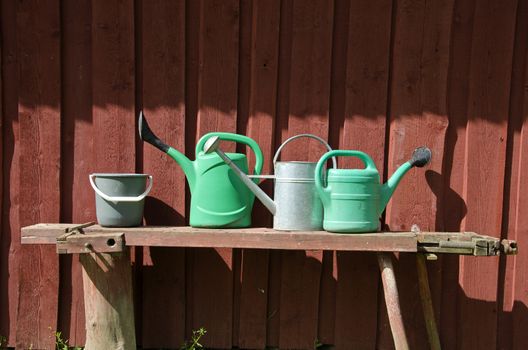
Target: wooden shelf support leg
392,301
427,303
108,302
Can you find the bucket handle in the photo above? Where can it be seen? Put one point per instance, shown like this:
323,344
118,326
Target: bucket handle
334,162
120,198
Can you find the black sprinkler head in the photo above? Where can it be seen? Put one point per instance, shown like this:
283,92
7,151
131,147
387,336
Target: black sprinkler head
421,156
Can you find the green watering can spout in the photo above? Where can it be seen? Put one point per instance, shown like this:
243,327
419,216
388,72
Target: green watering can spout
187,165
421,156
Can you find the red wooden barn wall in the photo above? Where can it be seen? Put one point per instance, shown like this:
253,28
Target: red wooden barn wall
380,76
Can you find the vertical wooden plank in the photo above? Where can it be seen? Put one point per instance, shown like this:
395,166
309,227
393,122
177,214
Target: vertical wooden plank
328,293
258,90
38,28
3,265
218,77
299,298
77,200
488,100
9,243
281,120
327,299
356,300
274,290
192,51
244,49
519,334
212,286
512,332
418,106
162,48
307,111
365,98
113,86
309,78
418,116
455,208
211,270
1,140
243,100
258,64
4,304
253,299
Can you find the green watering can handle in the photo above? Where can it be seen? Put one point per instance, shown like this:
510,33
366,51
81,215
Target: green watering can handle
369,163
227,136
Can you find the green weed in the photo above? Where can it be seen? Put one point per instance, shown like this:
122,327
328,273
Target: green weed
61,344
194,343
3,342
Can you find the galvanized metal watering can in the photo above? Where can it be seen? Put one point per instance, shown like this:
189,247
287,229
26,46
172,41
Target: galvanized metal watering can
218,199
296,205
354,199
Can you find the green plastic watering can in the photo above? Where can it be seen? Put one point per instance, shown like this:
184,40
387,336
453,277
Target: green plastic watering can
218,197
354,199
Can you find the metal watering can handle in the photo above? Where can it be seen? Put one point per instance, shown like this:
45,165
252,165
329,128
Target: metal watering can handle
369,163
119,198
227,136
334,163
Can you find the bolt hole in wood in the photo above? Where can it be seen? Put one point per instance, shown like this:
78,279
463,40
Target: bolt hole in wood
110,242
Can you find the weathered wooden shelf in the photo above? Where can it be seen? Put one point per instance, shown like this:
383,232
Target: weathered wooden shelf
467,243
107,276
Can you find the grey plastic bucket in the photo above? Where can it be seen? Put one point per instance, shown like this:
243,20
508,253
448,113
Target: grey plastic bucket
120,198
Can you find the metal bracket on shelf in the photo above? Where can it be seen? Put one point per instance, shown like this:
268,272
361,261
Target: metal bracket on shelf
466,243
508,247
92,243
77,229
74,240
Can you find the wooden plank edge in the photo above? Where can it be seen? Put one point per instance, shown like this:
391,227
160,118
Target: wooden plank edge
263,238
257,238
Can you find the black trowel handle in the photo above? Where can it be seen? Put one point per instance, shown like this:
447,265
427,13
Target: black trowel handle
148,136
421,156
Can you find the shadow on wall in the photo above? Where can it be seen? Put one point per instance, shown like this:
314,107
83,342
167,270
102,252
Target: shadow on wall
356,325
176,288
452,218
157,212
162,73
160,282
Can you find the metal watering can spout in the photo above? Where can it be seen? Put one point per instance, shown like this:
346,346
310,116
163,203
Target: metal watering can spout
421,156
212,145
146,134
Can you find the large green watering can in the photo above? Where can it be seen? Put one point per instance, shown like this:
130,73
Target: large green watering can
218,197
354,199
